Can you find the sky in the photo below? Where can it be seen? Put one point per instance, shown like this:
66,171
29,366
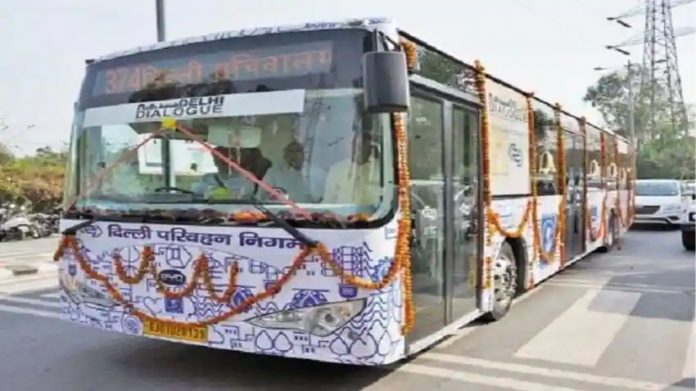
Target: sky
546,46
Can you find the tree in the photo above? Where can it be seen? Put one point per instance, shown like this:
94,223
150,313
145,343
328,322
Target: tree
36,179
6,155
662,151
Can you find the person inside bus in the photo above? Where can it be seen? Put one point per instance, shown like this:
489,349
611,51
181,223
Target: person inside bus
227,182
287,177
355,180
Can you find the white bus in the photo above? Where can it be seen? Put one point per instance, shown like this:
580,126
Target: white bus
368,193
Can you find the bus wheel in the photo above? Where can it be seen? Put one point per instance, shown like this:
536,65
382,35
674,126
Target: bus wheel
688,240
504,282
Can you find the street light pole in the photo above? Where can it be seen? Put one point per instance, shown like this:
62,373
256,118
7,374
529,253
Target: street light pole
160,20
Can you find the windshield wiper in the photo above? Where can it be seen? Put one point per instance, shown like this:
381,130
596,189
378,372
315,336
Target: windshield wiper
292,231
72,230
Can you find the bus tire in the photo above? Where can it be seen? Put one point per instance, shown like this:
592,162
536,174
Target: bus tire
688,239
504,282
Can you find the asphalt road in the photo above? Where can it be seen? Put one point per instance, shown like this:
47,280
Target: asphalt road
617,321
27,252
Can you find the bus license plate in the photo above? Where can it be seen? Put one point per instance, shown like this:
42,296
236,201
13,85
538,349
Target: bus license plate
157,328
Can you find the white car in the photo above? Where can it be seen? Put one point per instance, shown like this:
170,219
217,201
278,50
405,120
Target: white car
659,201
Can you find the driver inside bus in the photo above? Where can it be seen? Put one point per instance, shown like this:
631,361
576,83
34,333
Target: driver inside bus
355,180
241,146
287,177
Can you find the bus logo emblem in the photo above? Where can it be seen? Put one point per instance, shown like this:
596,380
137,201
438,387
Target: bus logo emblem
515,154
172,277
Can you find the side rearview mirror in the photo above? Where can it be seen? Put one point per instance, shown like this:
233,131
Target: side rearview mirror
386,84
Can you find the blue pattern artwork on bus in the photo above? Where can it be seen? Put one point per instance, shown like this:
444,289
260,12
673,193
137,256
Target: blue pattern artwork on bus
372,336
594,217
548,231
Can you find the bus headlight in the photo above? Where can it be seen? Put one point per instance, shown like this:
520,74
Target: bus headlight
320,320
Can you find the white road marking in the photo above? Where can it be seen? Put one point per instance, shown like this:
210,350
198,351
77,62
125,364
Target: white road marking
24,300
26,254
30,311
471,377
541,371
28,284
54,295
580,335
620,287
466,330
690,363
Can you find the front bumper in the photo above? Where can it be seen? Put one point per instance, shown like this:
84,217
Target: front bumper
668,219
688,227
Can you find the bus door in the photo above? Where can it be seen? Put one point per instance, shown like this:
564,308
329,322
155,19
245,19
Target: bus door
464,210
575,176
426,121
443,161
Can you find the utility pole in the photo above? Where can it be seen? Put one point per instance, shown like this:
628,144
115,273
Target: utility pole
160,20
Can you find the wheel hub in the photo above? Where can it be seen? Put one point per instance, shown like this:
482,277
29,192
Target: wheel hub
504,280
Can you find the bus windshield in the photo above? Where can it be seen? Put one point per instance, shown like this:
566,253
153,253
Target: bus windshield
657,189
300,128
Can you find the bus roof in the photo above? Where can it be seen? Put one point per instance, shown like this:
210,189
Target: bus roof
373,23
421,42
384,24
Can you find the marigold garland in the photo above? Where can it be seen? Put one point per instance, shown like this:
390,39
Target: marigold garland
531,211
624,219
411,53
599,233
480,81
401,262
560,142
531,121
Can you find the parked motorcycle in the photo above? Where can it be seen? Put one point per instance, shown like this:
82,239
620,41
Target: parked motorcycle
15,224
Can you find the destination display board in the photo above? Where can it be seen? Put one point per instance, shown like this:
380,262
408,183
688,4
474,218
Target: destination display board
307,60
233,65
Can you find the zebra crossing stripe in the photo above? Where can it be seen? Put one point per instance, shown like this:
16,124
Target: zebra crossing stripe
30,311
542,371
472,377
580,335
24,300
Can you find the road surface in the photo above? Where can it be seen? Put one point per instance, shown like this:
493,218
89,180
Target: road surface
617,321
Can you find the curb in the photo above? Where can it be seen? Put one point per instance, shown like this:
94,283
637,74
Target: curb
19,270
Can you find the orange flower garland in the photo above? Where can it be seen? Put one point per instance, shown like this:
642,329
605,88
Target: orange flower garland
531,121
560,140
530,212
480,81
411,52
401,262
599,233
518,232
624,219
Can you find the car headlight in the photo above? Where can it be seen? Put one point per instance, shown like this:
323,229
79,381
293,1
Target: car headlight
672,207
319,320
